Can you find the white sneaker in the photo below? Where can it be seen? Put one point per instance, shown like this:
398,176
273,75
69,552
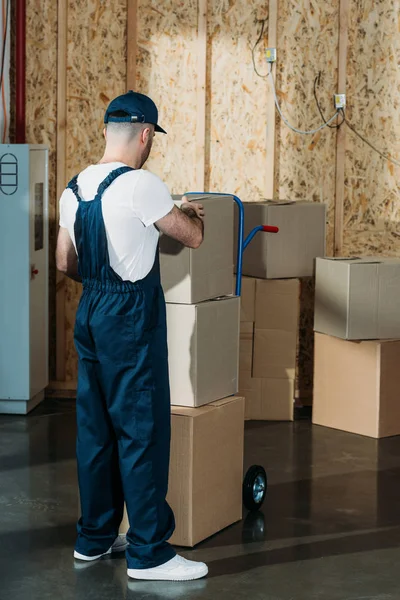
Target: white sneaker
120,545
177,569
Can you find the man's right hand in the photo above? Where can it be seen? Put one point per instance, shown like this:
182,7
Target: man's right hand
188,207
184,224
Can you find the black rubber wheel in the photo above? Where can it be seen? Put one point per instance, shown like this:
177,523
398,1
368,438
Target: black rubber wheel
254,488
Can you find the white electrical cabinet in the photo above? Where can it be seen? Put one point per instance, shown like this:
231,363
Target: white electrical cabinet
24,275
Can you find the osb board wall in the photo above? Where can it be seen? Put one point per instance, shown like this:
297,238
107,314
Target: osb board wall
236,102
372,207
236,97
236,126
41,112
96,73
307,44
308,34
166,71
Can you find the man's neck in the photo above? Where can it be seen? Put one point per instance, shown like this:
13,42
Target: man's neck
110,157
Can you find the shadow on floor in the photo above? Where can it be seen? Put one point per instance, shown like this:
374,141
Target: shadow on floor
348,544
330,494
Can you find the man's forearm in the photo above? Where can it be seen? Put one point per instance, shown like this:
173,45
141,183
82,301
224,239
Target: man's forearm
191,213
183,227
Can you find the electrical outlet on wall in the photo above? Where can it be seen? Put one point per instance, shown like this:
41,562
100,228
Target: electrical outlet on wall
339,101
270,55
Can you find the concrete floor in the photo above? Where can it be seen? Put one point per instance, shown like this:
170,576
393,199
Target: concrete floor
330,529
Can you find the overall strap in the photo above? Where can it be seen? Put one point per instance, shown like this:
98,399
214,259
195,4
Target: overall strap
109,180
73,185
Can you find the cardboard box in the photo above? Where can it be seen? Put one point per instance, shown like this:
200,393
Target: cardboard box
246,346
356,386
275,353
203,345
276,401
292,251
283,347
267,399
267,381
358,298
248,299
190,276
250,389
206,470
277,329
276,358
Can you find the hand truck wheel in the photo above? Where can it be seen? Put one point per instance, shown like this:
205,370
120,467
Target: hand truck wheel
254,488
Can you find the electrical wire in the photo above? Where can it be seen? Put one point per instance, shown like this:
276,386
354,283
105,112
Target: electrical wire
302,132
254,50
353,129
269,74
317,82
370,144
326,123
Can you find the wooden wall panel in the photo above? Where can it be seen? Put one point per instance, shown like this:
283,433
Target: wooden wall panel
131,43
372,207
41,115
307,43
237,97
171,53
167,72
96,73
61,177
341,130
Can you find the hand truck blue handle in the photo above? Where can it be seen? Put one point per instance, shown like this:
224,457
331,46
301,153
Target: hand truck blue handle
242,243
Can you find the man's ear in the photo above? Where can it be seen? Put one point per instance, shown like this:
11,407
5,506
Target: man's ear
146,132
105,133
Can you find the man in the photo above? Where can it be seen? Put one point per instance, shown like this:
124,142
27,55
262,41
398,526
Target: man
110,218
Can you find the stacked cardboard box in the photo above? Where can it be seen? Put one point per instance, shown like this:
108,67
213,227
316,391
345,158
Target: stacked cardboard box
357,345
276,345
202,314
192,276
292,252
206,469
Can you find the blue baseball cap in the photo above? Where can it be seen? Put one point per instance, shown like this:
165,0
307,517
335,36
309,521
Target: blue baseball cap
138,108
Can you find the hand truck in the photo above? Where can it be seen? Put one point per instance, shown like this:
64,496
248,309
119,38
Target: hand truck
255,482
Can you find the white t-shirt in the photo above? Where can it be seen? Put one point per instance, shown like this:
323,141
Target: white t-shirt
131,205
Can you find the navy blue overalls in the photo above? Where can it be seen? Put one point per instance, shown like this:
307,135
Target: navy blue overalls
123,401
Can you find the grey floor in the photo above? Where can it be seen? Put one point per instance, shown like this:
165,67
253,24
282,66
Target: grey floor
330,528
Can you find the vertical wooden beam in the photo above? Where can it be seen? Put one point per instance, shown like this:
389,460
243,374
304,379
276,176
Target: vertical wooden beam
271,114
201,94
61,97
341,133
62,45
131,44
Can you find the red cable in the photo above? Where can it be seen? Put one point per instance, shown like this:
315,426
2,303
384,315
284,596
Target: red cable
3,95
20,71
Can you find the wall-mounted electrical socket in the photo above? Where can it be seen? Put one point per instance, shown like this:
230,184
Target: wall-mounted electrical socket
270,55
339,101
